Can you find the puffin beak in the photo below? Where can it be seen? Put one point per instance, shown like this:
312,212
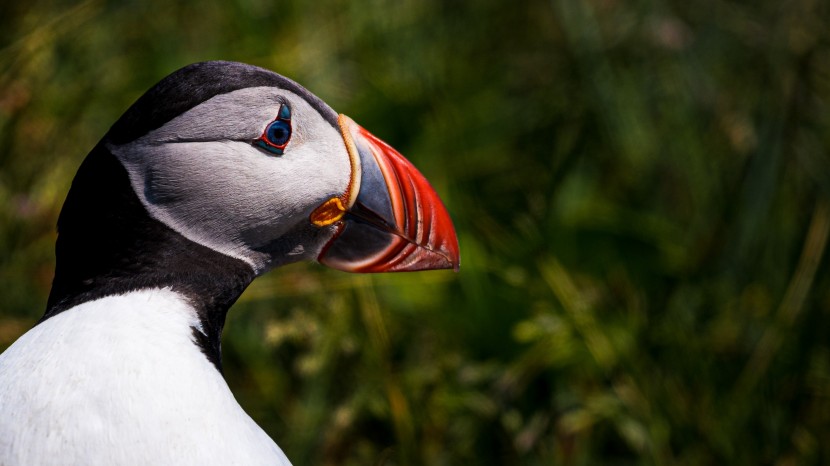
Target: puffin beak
390,219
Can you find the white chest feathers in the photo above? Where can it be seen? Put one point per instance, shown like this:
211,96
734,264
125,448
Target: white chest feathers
119,381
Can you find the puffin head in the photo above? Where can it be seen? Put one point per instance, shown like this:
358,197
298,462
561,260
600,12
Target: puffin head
223,171
251,165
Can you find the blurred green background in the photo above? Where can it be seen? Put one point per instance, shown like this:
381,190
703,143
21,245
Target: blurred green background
641,191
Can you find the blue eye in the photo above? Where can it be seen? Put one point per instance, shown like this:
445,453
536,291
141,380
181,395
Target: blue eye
277,133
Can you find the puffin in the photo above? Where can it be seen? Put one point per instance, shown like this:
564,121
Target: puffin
219,173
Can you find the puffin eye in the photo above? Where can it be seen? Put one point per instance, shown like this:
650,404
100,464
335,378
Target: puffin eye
277,134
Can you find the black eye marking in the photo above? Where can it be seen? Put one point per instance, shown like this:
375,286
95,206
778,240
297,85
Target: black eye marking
277,134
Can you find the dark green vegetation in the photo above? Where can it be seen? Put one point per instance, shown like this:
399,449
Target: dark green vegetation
641,190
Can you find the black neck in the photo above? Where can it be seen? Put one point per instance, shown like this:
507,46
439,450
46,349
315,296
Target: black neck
109,245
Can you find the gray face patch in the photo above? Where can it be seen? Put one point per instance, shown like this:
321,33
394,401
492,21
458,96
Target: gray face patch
200,175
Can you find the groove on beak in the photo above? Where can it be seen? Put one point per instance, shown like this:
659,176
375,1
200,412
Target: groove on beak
394,220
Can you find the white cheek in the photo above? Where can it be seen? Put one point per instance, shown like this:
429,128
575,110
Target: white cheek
200,175
231,196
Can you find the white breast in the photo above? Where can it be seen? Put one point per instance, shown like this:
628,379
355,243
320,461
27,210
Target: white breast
119,381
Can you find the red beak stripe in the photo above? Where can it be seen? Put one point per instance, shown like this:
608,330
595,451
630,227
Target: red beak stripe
413,230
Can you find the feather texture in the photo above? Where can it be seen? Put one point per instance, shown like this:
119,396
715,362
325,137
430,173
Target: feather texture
119,380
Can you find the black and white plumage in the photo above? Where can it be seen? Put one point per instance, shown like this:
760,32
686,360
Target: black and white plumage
219,173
